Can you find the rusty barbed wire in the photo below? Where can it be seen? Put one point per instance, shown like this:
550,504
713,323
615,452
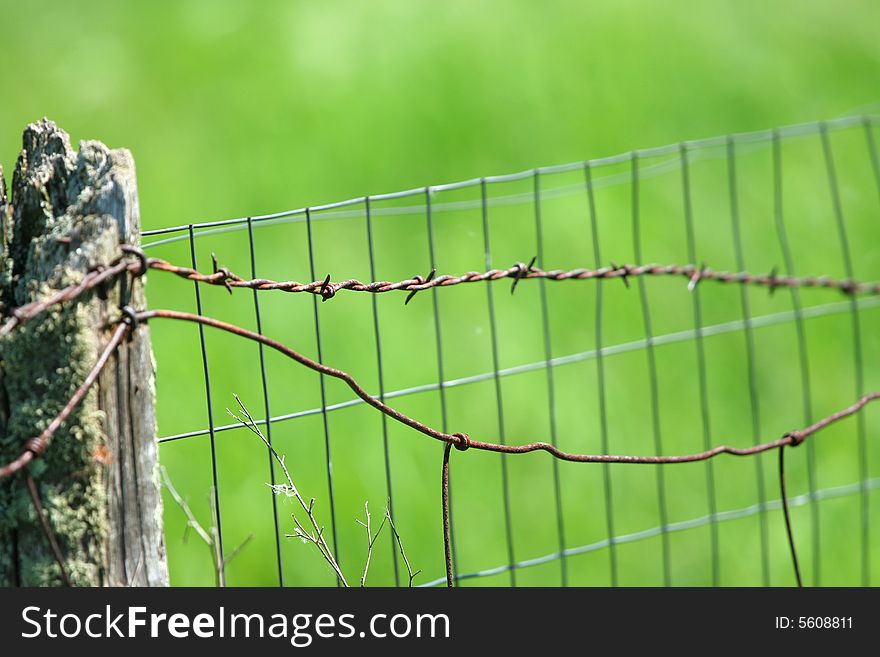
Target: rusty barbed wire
327,289
694,274
130,318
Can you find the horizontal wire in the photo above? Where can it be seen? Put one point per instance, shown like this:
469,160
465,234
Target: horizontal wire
141,263
698,145
693,523
759,321
463,441
337,211
327,289
35,447
90,280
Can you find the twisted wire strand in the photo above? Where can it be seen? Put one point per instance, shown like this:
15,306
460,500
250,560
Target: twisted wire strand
694,274
36,447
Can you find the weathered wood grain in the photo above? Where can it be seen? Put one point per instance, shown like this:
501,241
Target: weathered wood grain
67,212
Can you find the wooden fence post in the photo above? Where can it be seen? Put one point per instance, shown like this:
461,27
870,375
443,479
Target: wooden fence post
65,213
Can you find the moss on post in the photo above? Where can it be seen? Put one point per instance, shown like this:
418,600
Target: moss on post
67,213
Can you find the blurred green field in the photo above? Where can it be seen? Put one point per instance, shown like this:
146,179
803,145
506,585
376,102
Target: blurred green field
236,109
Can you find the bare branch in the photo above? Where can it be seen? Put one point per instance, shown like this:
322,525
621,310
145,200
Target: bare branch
191,520
209,537
371,539
291,490
409,570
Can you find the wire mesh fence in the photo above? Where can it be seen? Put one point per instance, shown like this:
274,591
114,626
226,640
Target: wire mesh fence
649,364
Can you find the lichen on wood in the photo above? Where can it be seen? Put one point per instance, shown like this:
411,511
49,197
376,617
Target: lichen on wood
67,212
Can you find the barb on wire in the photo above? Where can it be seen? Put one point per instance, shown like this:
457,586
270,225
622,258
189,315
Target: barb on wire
420,281
624,276
697,276
520,271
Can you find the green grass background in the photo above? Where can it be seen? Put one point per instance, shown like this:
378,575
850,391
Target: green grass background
241,108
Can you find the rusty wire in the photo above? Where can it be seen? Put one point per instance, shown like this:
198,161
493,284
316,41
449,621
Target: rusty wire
34,492
327,288
447,542
463,442
787,515
96,277
35,447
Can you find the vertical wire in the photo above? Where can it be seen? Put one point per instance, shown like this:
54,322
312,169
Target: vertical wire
551,388
783,495
872,153
266,407
376,333
875,166
857,349
438,336
323,392
701,366
221,574
484,204
803,358
652,375
754,401
600,371
444,496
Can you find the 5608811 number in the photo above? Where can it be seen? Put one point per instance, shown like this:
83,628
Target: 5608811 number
814,622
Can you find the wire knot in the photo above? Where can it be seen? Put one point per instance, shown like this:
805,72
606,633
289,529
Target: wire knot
462,441
129,317
795,438
35,446
143,261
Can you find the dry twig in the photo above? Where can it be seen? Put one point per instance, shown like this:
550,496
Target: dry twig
209,538
314,535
